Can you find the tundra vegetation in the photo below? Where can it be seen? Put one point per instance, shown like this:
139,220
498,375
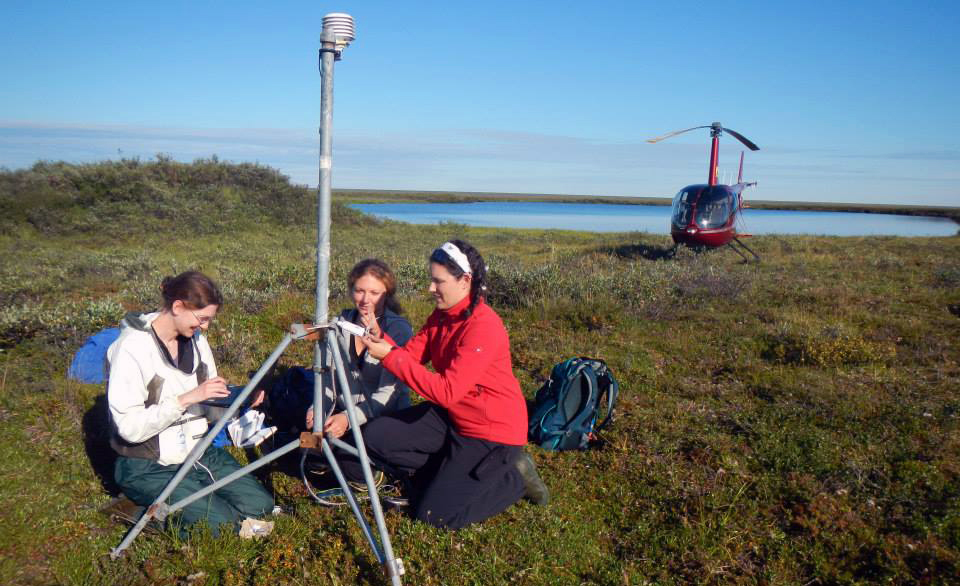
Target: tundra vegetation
795,421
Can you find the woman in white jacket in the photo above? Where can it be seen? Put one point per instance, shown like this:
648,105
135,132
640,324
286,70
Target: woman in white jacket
161,368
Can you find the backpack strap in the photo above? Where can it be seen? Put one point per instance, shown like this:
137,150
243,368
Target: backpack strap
612,390
566,373
607,385
581,416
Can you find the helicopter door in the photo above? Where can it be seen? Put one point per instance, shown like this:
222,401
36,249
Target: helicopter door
683,207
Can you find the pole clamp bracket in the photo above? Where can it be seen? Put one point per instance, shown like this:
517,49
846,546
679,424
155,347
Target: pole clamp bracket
306,331
336,56
311,440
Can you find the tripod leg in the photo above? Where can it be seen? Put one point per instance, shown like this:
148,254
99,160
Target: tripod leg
234,476
323,378
394,566
351,500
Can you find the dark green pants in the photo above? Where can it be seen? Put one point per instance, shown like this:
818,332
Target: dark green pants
143,481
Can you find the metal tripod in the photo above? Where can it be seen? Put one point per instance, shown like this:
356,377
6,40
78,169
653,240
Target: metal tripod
382,549
329,356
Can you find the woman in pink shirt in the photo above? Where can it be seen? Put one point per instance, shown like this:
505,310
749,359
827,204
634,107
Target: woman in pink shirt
462,446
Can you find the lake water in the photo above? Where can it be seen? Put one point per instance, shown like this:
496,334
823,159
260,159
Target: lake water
653,219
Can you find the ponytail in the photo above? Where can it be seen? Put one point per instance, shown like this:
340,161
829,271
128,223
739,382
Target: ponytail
193,288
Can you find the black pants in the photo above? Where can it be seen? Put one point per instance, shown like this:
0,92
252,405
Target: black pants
457,480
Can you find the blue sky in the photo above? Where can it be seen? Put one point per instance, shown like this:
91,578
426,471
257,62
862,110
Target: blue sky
849,101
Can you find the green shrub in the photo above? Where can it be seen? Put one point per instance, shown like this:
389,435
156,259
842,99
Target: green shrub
61,324
130,197
947,277
826,345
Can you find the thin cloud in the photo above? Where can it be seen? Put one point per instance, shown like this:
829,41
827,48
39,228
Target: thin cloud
498,160
942,155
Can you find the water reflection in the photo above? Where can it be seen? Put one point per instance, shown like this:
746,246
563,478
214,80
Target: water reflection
653,219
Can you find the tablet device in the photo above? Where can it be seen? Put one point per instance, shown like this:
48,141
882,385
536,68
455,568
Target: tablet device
228,400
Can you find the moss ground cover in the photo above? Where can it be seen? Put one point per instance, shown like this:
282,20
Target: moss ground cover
790,422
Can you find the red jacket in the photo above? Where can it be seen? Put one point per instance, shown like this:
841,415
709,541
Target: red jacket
474,378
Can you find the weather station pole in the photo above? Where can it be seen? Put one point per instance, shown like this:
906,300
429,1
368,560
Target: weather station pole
338,33
329,52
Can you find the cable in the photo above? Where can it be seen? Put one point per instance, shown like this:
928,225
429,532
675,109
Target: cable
303,456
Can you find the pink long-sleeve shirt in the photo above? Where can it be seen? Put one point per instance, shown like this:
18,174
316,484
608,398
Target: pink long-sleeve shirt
474,378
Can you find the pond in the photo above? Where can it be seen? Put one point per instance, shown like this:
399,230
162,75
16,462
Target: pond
654,219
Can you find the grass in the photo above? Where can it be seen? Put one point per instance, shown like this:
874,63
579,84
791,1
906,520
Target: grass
792,422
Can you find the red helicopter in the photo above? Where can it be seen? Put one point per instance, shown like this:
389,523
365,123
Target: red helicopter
704,215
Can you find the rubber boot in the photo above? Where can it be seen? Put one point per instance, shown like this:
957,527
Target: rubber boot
536,490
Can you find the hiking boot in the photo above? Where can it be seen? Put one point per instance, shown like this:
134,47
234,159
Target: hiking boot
331,497
123,510
314,466
536,491
334,497
398,503
379,479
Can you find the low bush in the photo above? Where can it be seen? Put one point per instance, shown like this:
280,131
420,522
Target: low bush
823,345
61,324
131,197
947,277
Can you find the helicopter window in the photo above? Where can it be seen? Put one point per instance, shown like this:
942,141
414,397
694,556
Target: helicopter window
682,207
714,207
681,214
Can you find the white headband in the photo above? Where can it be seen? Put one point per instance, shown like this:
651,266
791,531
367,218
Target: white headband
458,257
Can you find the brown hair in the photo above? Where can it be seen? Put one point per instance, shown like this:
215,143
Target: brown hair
193,288
478,269
380,270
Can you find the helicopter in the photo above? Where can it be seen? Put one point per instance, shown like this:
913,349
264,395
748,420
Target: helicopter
704,216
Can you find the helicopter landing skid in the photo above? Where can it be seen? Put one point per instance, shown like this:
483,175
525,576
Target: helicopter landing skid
756,257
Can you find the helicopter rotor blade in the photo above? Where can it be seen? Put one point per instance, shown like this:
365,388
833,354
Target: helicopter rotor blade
659,138
746,142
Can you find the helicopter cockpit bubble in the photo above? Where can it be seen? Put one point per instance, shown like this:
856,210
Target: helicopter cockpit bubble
714,207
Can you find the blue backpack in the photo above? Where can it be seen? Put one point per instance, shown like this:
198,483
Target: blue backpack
566,408
90,362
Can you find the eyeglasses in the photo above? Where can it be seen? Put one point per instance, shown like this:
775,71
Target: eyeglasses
201,320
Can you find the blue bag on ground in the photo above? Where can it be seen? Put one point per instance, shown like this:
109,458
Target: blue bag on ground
566,408
90,362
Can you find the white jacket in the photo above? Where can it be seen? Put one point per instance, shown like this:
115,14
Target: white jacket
147,420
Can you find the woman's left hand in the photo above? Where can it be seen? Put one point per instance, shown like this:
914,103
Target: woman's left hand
370,322
336,425
259,395
376,347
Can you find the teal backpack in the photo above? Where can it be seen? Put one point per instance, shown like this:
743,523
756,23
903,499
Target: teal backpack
566,408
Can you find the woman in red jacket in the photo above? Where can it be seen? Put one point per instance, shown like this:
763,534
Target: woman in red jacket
463,446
